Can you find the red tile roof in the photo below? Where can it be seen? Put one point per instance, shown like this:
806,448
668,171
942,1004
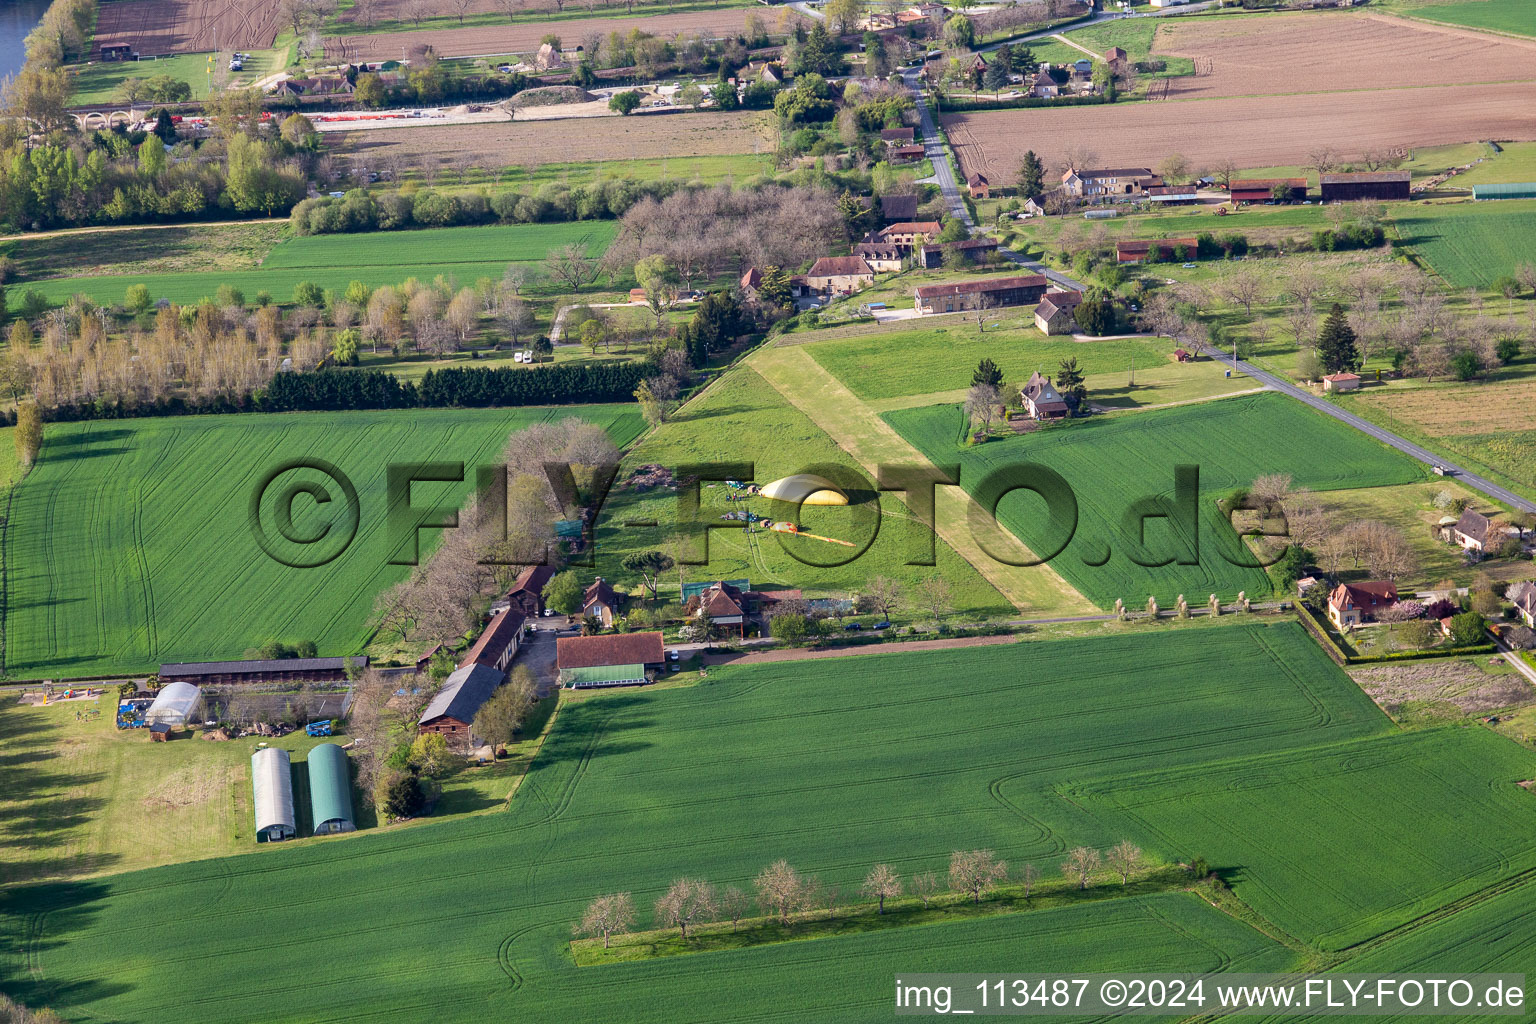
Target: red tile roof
616,649
913,227
1366,596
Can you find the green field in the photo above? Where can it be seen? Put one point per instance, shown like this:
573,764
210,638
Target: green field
129,543
375,258
1516,163
741,418
633,789
1471,244
907,361
1112,462
1498,15
1344,873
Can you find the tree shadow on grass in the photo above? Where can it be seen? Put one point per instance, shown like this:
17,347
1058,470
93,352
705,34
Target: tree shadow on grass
35,919
44,806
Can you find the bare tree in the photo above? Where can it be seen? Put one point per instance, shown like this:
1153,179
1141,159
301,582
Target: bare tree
1125,858
733,904
935,596
925,886
1081,862
1272,489
883,594
1245,287
1028,877
570,265
882,883
976,872
982,403
1322,159
781,890
685,901
607,915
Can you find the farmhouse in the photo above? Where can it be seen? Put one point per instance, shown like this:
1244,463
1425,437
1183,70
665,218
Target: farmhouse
882,257
910,234
1474,532
1137,250
452,712
1043,86
323,85
1341,382
330,791
1263,190
984,294
618,660
931,256
600,602
498,643
978,185
1365,185
1057,312
1041,399
176,704
272,790
280,670
1110,181
897,209
897,136
838,275
908,153
1523,596
1351,604
549,57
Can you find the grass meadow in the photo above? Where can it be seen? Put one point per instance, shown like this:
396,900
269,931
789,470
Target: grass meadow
331,261
905,360
635,788
1113,462
129,543
741,418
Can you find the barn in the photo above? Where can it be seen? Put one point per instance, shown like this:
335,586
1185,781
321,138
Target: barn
1262,190
617,660
272,788
986,293
330,791
280,670
1365,185
1512,190
176,704
452,712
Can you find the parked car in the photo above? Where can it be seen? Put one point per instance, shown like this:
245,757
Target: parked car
672,655
854,627
881,625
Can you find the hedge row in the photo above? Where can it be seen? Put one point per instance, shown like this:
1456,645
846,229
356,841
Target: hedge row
956,106
469,387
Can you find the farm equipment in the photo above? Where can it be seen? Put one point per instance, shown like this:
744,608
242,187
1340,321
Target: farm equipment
318,728
792,528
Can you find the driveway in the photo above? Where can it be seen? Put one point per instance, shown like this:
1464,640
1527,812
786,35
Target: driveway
538,654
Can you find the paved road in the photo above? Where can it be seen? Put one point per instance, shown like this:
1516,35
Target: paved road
933,148
1323,405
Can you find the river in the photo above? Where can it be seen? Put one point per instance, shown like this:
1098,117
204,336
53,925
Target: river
17,18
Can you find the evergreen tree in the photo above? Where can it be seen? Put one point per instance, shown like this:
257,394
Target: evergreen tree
1031,175
1096,313
1069,381
1336,344
995,77
987,372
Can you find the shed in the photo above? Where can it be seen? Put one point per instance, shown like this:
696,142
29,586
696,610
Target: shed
1341,382
159,732
272,786
330,790
176,704
1507,190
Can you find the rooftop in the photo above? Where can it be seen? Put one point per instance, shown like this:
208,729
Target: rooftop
613,649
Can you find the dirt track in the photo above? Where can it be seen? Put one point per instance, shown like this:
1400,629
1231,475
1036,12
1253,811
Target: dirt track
1329,52
1262,131
157,27
529,143
525,37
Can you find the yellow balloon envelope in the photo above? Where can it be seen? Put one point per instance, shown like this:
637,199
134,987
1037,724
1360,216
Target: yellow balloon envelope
806,489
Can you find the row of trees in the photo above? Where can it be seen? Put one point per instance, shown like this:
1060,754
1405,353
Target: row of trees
781,891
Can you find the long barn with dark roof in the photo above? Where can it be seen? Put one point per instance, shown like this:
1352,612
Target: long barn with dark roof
280,670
